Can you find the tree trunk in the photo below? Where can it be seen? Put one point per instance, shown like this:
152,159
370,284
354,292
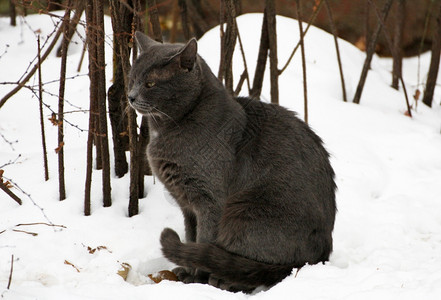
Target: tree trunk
116,93
256,90
367,25
79,8
118,122
184,19
154,20
40,96
117,23
54,5
60,148
175,18
302,49
228,44
94,48
199,23
435,59
12,13
91,42
370,52
272,39
397,44
101,87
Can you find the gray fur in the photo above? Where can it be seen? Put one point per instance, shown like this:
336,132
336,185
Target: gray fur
253,181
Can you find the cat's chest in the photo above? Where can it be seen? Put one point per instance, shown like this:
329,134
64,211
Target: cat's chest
168,160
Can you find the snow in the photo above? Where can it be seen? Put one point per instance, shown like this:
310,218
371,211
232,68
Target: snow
387,237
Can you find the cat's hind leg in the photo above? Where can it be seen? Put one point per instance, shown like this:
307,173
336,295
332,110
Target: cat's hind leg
229,286
190,223
190,275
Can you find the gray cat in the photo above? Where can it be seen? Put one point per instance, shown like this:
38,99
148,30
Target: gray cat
253,181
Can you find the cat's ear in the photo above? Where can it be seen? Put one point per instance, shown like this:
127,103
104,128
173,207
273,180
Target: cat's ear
144,42
187,55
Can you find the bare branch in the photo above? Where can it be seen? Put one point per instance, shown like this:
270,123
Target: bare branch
370,52
31,73
394,54
334,33
244,62
30,198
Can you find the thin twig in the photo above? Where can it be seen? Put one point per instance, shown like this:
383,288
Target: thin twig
10,162
83,52
244,60
24,231
310,21
48,107
31,73
8,141
302,48
10,272
240,83
40,223
334,33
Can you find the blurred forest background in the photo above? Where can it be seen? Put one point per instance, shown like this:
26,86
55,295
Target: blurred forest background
353,18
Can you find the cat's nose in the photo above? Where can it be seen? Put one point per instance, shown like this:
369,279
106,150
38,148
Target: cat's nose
132,95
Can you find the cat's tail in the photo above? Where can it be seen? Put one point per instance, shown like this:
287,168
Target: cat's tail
221,263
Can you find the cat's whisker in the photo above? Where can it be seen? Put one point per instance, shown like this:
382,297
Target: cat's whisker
163,113
153,118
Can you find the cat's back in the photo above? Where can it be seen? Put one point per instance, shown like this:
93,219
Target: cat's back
276,142
277,129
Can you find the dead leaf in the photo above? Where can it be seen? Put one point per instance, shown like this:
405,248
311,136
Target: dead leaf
59,147
71,264
99,248
361,43
8,184
316,4
53,119
124,271
163,275
417,94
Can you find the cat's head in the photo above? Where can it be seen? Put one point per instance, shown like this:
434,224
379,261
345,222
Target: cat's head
165,78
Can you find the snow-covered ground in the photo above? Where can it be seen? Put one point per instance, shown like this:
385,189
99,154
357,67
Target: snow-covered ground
387,237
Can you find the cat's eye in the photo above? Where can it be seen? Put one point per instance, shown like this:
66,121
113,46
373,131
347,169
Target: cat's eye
150,84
